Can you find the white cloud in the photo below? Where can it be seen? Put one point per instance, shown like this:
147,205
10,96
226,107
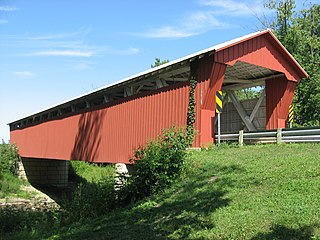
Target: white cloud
63,36
3,21
86,53
63,53
166,32
8,9
203,21
225,7
24,74
54,36
70,44
194,24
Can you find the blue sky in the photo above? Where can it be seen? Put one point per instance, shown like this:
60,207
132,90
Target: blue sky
54,50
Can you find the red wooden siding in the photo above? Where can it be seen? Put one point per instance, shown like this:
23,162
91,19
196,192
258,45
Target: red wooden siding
204,70
216,80
106,135
261,51
210,77
266,51
279,95
209,105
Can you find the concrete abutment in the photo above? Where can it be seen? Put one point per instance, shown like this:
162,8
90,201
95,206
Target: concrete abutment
44,172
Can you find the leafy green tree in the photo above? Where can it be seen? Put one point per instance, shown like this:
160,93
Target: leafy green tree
159,62
299,32
284,17
249,93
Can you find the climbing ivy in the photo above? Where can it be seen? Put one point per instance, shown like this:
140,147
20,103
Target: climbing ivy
191,115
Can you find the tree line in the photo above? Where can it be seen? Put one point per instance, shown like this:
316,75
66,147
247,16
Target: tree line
299,32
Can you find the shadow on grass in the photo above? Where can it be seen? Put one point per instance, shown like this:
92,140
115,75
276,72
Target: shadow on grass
14,222
280,232
178,213
62,195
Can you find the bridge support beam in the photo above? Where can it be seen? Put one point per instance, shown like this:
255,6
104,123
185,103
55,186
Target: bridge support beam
44,172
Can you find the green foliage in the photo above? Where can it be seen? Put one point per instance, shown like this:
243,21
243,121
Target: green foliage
93,197
249,93
191,115
90,172
157,165
253,192
18,220
91,200
284,17
9,184
95,194
8,158
159,62
307,51
299,32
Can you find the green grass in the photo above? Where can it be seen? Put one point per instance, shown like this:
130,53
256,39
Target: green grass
90,172
11,186
253,192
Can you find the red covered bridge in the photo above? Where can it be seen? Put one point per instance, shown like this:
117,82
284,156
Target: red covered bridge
107,124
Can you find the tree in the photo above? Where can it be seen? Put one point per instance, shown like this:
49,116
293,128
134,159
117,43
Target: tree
299,32
284,16
158,62
307,52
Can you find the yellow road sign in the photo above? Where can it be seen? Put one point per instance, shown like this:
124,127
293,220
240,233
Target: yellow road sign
291,114
219,102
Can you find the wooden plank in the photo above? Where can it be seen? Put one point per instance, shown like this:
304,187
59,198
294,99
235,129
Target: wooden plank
241,111
256,107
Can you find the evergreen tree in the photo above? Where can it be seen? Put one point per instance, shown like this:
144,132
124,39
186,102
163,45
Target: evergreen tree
158,62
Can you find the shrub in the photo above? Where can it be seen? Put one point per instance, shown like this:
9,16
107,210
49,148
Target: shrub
8,157
157,165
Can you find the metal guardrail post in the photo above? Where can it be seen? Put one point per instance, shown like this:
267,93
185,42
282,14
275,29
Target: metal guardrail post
241,138
279,135
219,129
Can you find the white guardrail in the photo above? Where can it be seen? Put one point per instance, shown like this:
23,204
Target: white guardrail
286,135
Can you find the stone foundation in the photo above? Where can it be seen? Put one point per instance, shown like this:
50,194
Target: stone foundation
44,172
122,169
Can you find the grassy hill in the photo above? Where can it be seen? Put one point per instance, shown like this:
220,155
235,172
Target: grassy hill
253,192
